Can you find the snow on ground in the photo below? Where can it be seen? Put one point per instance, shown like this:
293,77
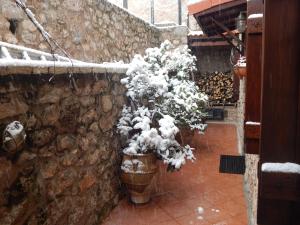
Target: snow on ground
200,210
215,210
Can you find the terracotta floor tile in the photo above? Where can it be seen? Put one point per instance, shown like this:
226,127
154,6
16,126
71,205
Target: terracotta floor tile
169,222
178,195
240,219
234,208
176,209
192,219
165,198
195,203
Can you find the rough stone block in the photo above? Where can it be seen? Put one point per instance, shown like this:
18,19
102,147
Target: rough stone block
88,142
106,123
87,101
100,86
49,169
106,103
88,181
65,142
50,114
49,94
12,108
94,128
42,137
89,116
93,157
70,158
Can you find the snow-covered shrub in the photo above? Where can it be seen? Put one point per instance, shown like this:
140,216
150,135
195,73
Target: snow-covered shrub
162,97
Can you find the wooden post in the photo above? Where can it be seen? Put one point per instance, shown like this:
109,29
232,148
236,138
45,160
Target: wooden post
279,199
179,13
125,4
152,12
253,84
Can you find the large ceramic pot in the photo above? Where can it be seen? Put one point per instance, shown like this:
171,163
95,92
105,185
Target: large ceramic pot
240,71
138,171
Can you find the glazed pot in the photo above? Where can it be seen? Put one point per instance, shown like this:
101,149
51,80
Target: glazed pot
138,171
240,71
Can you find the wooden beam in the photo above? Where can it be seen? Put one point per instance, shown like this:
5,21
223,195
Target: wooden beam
228,31
212,26
230,43
219,8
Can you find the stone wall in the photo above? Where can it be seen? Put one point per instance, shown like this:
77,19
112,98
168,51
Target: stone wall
250,177
241,115
251,187
92,30
176,34
164,11
67,171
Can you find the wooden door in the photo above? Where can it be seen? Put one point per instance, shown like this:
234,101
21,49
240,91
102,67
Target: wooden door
279,193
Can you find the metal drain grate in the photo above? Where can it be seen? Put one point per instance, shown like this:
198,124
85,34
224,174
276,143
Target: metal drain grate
215,114
232,164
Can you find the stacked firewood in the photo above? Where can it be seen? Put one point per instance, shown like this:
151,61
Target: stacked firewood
218,86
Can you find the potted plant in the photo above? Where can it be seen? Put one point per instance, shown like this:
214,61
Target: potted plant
239,69
161,97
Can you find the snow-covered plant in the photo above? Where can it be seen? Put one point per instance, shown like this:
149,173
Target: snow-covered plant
162,97
186,104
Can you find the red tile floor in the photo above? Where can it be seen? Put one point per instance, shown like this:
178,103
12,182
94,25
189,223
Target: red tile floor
196,195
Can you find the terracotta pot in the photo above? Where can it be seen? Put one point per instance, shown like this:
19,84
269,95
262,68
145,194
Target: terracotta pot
240,71
137,173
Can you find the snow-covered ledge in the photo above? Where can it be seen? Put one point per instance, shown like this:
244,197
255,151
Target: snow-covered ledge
16,59
27,68
281,167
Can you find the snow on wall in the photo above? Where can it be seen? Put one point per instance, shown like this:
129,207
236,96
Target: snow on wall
281,167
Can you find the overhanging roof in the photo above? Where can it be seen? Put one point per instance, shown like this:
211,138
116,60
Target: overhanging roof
223,11
201,5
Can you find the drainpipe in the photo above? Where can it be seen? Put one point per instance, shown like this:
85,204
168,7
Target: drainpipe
179,12
152,11
125,4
